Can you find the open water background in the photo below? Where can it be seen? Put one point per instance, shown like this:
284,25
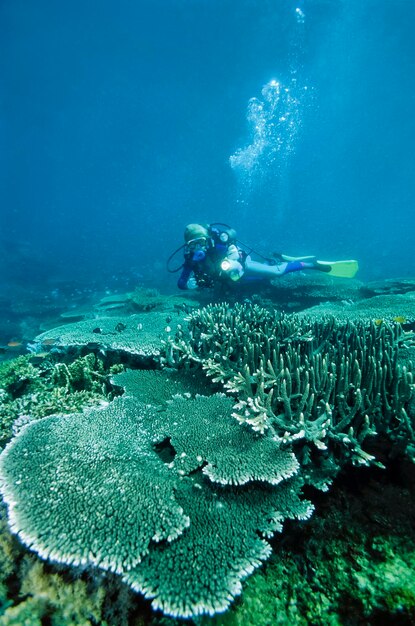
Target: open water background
122,121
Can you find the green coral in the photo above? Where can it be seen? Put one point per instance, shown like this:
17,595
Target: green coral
26,613
51,597
320,385
158,386
155,465
28,392
139,335
352,564
203,434
386,307
49,495
91,489
7,557
16,374
201,572
32,592
75,604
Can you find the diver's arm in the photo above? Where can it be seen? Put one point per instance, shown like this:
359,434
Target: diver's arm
187,279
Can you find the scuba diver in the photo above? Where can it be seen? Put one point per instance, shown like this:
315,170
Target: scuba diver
213,254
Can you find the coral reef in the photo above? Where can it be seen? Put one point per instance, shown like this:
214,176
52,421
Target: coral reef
317,384
96,515
7,556
159,386
299,290
229,455
142,299
180,494
352,564
138,335
28,392
92,489
51,597
201,573
122,305
33,592
388,286
113,302
398,307
291,292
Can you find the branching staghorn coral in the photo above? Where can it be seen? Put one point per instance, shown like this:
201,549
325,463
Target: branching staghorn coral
320,383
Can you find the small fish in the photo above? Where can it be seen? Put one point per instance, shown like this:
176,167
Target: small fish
14,344
93,345
378,322
400,319
97,330
39,357
48,341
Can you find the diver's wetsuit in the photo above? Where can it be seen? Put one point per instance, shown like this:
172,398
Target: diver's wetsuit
204,268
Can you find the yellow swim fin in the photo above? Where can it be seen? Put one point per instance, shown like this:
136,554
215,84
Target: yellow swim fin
342,269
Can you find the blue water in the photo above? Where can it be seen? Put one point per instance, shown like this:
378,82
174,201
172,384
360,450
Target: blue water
122,121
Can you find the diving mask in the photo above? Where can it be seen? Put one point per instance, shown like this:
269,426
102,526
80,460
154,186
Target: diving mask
194,245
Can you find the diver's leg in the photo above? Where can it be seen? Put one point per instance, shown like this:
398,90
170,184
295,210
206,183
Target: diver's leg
253,268
297,266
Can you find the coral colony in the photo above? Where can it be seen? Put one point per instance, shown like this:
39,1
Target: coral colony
177,479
